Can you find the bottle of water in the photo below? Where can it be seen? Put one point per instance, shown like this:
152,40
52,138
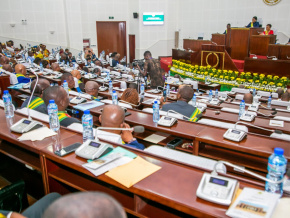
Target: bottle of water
142,89
63,64
156,116
115,98
87,121
31,64
216,94
67,64
167,90
254,92
168,72
242,108
210,95
197,91
8,107
194,100
65,86
276,169
111,87
52,51
52,111
269,102
145,80
41,67
108,75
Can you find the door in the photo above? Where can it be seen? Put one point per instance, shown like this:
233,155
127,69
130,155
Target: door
111,37
132,47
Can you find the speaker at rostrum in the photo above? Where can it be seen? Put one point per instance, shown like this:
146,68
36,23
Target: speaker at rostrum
135,15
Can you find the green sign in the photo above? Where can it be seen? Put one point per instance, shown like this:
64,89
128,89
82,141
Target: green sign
153,18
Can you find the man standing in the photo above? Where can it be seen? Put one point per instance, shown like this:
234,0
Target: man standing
153,69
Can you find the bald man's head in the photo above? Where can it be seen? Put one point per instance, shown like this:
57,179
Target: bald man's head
58,94
40,87
76,74
7,67
92,88
4,60
185,93
112,116
85,204
55,67
248,97
20,69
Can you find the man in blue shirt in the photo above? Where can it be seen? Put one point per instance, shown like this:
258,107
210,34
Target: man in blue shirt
20,71
30,57
254,23
114,116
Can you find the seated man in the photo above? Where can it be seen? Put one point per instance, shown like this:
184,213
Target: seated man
55,67
98,63
184,95
36,100
59,95
97,71
71,58
285,96
114,116
78,83
268,30
36,210
248,97
69,79
30,57
92,204
7,67
115,60
4,60
280,92
228,26
37,61
254,22
130,96
63,58
20,71
92,88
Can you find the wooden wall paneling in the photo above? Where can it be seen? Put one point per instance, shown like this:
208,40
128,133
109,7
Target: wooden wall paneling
132,47
239,43
259,45
111,37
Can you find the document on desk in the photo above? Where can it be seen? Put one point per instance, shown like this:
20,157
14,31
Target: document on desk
37,135
253,203
154,138
133,172
88,105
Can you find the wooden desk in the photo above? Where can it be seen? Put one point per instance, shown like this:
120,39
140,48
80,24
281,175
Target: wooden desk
219,39
259,44
194,44
4,82
239,42
279,67
279,51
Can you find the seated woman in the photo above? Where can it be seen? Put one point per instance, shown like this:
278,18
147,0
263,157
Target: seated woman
268,30
130,96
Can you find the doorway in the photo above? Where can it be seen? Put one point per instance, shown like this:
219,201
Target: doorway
111,37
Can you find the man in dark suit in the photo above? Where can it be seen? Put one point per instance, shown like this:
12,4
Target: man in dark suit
34,211
184,95
254,23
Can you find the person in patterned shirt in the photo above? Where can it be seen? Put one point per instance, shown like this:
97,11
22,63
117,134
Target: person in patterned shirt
153,69
60,97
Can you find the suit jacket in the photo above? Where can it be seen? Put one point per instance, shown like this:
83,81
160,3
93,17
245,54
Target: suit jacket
256,24
181,107
38,106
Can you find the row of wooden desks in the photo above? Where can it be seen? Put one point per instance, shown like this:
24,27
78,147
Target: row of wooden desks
159,195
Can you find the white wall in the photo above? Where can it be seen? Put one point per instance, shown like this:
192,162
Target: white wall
74,20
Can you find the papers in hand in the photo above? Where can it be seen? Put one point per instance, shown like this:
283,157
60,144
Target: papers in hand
37,135
253,203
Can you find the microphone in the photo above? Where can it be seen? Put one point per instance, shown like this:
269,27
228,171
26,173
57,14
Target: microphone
137,129
270,130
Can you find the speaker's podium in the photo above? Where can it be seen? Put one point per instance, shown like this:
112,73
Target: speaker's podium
217,57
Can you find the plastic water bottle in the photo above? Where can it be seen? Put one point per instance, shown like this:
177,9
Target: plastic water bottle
197,91
216,94
142,89
74,66
31,64
210,95
276,169
242,108
52,51
254,92
269,102
168,72
194,100
41,67
65,86
111,87
115,98
67,64
108,75
156,116
63,64
87,121
8,107
53,117
167,90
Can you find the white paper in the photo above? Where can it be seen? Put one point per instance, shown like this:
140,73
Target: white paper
154,138
37,134
108,136
279,123
109,166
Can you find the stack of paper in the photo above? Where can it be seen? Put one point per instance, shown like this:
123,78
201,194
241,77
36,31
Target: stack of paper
133,172
37,135
88,105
